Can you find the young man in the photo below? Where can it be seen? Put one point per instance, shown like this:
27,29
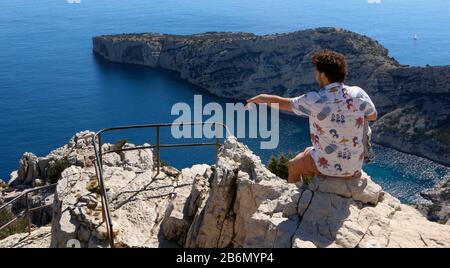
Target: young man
337,114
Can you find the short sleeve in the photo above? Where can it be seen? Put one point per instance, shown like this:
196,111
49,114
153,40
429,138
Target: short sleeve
366,105
304,105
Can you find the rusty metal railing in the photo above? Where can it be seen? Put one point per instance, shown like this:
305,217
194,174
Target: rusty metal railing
28,210
99,158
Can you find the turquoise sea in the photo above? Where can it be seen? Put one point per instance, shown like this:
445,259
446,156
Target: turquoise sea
51,84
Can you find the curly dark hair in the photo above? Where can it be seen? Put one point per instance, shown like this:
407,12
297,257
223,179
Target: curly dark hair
332,63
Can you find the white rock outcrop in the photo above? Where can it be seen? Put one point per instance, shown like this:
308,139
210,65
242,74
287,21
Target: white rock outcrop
39,238
238,203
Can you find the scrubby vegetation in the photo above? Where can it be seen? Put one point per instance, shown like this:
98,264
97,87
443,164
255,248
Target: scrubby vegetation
446,194
19,226
55,169
119,145
443,136
433,208
278,165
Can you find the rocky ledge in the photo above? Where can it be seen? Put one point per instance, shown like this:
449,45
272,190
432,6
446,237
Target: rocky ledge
236,203
413,102
39,238
439,196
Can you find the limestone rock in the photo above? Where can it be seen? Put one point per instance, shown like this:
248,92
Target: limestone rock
410,229
439,195
13,179
245,210
39,238
78,152
236,203
137,200
28,168
361,189
139,160
33,170
179,216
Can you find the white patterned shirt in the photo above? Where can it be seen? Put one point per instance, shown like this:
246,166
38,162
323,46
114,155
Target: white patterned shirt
336,120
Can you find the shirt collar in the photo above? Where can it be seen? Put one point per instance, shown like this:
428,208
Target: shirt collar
333,85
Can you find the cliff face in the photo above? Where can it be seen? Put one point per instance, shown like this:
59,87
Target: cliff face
240,65
238,203
439,195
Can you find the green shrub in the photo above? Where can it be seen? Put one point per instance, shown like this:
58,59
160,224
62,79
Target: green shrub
434,208
283,166
446,194
119,144
55,169
443,135
280,167
307,179
273,164
19,226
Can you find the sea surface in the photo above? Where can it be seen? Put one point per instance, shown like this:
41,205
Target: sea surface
52,85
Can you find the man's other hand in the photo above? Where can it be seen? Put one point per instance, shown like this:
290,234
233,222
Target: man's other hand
281,103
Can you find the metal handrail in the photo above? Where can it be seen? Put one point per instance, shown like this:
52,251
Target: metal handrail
27,208
99,159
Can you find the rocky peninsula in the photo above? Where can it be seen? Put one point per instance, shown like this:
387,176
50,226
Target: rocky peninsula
237,203
413,102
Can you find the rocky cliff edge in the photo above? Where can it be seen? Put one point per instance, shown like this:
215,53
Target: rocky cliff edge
238,203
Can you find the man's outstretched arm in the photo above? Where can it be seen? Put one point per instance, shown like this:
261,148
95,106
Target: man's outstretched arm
283,103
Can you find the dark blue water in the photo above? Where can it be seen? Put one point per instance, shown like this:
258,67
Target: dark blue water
51,85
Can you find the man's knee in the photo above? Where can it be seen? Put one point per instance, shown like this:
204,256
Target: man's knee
293,166
293,171
290,164
301,165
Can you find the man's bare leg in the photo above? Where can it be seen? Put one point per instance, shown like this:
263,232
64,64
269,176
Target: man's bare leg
294,173
302,164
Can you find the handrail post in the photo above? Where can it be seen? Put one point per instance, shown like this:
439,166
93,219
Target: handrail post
99,161
100,152
27,213
101,191
101,185
158,157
